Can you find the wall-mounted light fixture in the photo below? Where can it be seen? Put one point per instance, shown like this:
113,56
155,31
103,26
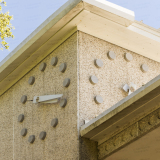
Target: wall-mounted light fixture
129,88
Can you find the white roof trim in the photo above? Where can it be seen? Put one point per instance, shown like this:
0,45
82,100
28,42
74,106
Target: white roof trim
63,10
145,31
38,32
113,8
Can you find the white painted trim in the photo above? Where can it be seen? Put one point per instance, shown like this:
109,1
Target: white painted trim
39,31
145,31
54,18
113,8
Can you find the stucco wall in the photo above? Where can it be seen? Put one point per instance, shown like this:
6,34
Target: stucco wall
112,75
61,142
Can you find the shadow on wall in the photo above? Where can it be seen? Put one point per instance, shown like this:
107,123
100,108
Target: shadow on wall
88,149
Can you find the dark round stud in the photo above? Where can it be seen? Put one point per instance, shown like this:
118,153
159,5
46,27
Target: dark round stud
31,80
23,99
42,135
128,57
98,63
66,82
62,67
42,66
98,99
93,79
54,122
23,132
20,118
54,61
63,103
111,55
31,139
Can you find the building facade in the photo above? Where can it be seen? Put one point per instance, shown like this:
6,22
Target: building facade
87,52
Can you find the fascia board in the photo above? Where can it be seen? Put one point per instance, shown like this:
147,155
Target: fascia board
145,31
113,8
51,21
49,46
39,32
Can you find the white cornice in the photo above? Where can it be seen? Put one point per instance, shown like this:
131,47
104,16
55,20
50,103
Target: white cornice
145,30
112,8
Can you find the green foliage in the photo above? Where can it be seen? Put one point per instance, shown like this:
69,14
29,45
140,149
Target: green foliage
5,26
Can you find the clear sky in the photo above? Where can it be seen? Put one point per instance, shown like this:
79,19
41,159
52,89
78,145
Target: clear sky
28,15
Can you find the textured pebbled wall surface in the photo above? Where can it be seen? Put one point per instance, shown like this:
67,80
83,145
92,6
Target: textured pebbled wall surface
61,143
112,76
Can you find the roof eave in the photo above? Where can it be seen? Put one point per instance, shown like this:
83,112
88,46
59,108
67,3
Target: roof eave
86,16
56,29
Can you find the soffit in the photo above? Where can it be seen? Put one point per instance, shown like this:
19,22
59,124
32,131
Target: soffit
145,148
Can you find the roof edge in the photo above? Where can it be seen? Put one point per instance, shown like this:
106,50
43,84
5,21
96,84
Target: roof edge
38,32
113,8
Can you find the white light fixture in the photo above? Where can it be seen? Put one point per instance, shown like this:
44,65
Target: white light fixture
47,98
129,88
86,121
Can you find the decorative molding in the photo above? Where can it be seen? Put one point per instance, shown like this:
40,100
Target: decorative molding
113,8
130,134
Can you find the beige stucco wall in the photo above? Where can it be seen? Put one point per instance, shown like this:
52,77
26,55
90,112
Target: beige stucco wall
112,76
61,142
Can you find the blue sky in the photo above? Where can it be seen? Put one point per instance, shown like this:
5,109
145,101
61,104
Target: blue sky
28,15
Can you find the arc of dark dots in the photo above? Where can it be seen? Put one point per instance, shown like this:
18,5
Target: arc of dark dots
111,55
63,102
